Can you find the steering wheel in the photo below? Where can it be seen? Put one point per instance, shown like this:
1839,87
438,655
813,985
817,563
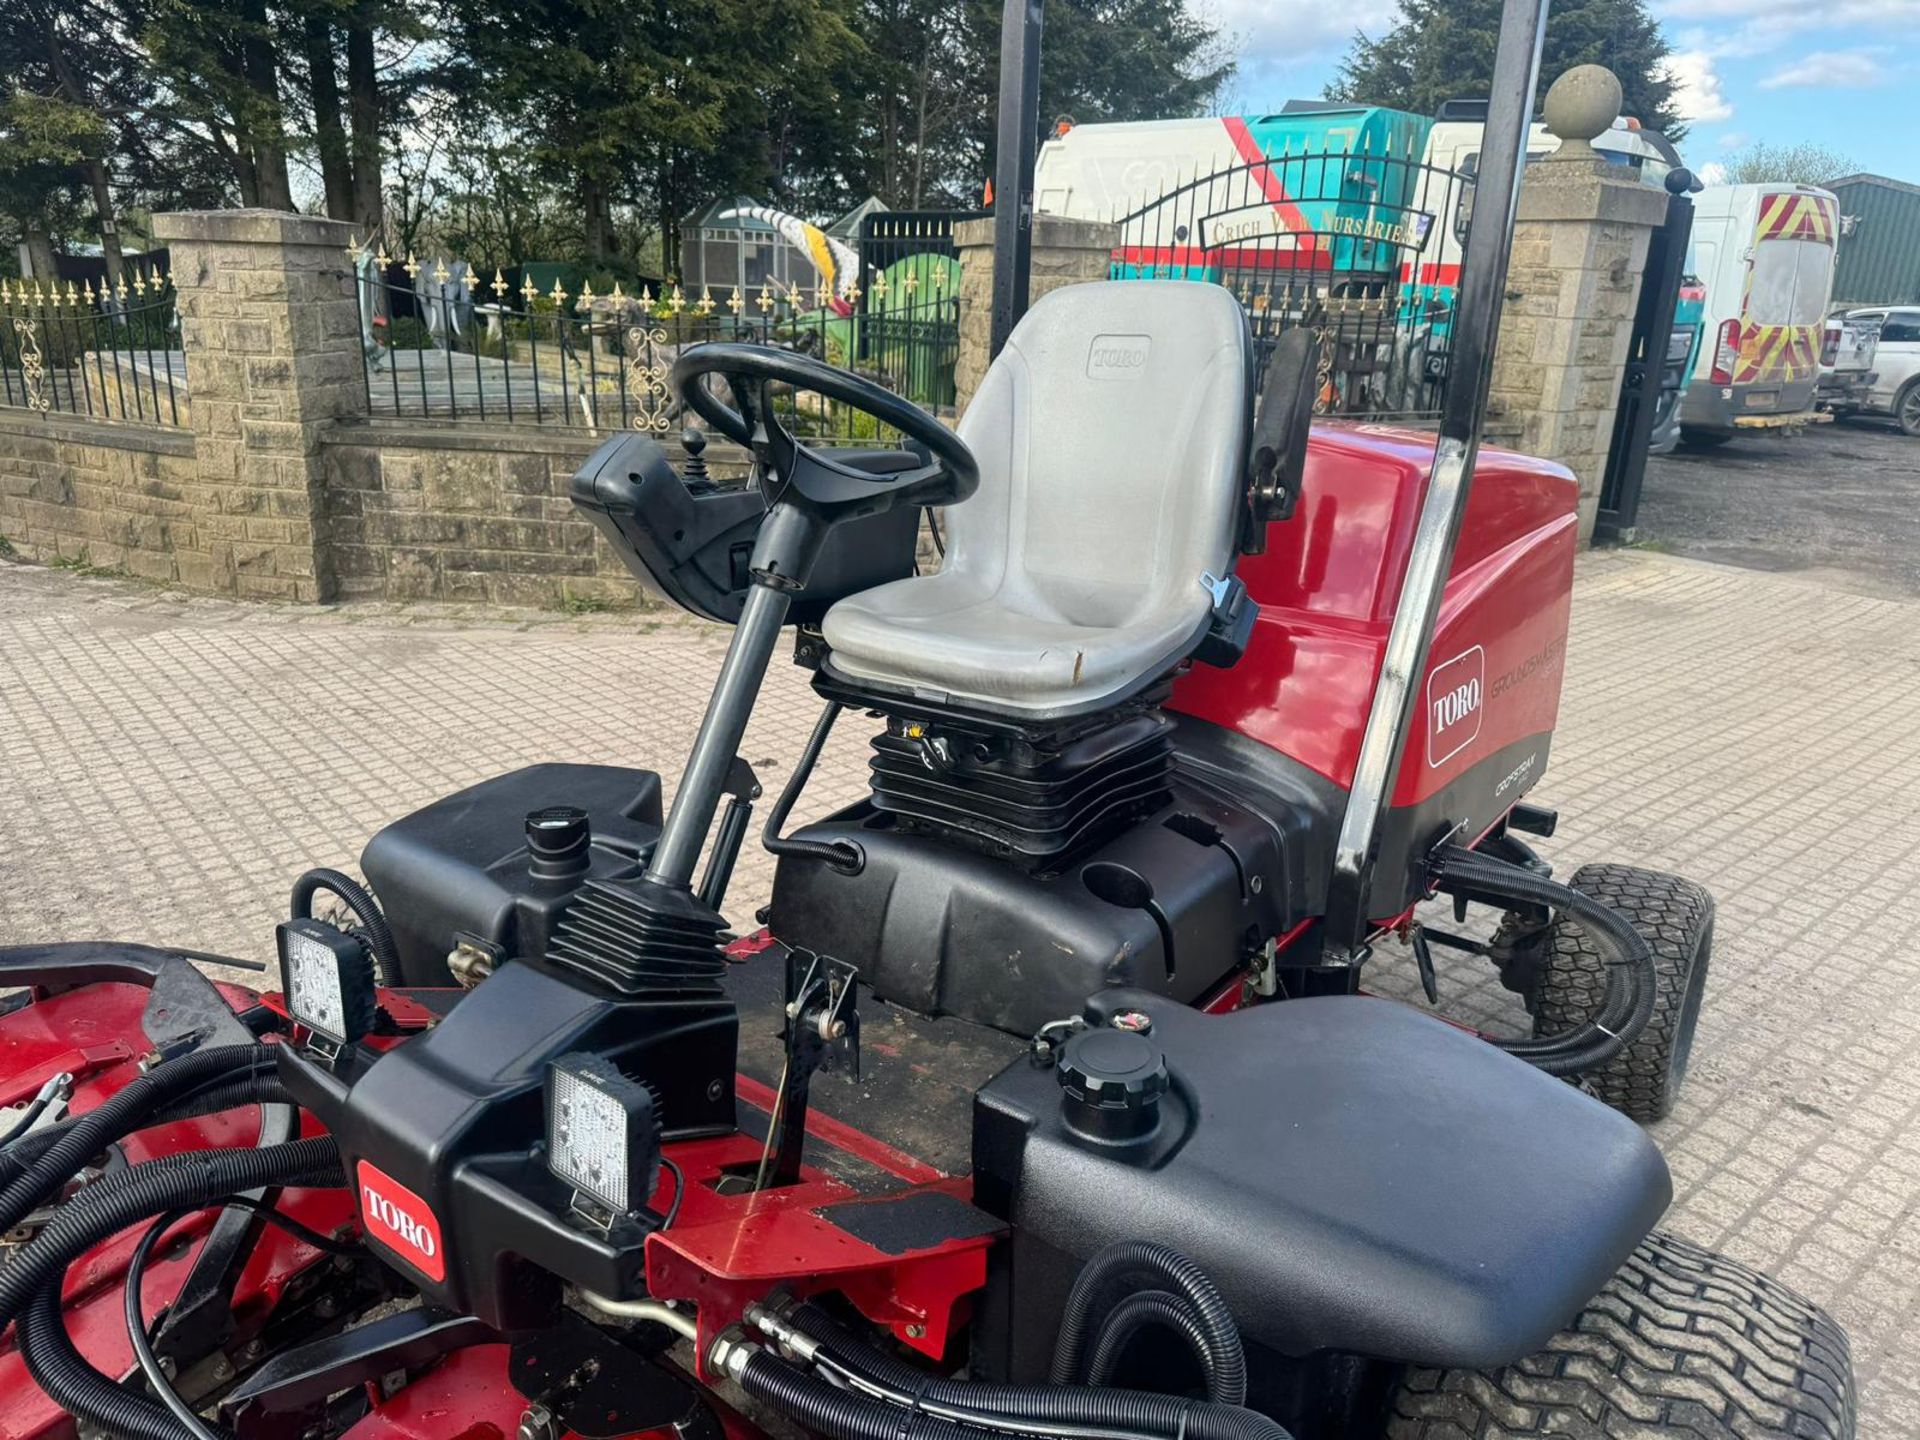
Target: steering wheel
804,477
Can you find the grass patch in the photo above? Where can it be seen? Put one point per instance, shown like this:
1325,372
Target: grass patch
1654,546
81,565
585,605
6,547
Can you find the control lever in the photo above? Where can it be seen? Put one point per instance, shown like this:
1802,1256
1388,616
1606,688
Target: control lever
822,1031
1277,454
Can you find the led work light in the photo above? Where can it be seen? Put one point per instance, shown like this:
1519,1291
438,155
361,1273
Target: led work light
327,978
602,1138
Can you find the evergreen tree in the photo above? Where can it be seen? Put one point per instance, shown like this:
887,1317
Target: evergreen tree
645,104
1443,50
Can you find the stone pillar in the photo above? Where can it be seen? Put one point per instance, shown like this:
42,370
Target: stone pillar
271,328
1065,252
1579,250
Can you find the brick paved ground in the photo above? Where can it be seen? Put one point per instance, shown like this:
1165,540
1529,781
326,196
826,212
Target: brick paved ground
167,766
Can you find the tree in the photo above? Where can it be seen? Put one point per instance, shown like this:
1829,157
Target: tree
41,140
1803,163
346,128
655,105
1443,50
917,120
220,59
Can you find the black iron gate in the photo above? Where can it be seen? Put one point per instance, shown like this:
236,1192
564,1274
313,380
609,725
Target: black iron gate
908,305
1361,246
1640,385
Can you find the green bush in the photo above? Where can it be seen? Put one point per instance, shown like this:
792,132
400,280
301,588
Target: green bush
409,332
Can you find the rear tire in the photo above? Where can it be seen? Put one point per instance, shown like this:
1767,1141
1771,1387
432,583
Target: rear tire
1906,409
1681,1342
1676,917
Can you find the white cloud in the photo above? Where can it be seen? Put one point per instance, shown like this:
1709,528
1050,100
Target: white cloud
1712,173
1829,69
1735,140
1697,93
1283,33
1749,27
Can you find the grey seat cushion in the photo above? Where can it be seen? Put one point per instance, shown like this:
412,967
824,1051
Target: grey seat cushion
1111,434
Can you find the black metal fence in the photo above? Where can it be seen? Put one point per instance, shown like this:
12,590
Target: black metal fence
443,342
112,353
1362,247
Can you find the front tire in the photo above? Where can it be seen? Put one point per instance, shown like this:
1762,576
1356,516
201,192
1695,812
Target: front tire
1681,1342
1676,917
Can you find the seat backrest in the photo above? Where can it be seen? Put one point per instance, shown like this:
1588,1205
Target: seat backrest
1111,434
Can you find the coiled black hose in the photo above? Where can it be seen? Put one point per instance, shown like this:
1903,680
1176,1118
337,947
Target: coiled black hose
59,1369
145,1190
1627,1006
1120,1266
1136,1313
127,1110
1029,1409
842,855
46,1349
373,924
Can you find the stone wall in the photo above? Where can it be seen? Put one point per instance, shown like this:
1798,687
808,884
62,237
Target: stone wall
122,497
425,512
415,513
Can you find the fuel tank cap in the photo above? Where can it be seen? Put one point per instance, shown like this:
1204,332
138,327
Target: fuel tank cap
1111,1082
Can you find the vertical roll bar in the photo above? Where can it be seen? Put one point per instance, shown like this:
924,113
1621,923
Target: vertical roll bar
1016,143
1476,319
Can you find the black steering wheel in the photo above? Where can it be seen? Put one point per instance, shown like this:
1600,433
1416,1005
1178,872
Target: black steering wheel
798,475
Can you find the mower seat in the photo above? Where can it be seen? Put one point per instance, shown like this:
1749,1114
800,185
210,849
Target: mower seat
1111,434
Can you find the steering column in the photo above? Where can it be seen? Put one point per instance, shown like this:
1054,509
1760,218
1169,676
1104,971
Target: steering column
808,492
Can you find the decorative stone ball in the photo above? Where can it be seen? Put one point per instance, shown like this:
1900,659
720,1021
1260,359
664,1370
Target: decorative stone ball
1583,102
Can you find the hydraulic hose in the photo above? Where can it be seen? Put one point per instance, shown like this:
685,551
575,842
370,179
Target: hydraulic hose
841,855
828,1410
59,1369
386,954
1138,1312
1627,1006
1117,1268
126,1111
254,1088
193,1179
1025,1409
48,1352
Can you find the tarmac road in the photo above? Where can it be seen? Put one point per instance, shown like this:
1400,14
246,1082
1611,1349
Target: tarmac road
1839,501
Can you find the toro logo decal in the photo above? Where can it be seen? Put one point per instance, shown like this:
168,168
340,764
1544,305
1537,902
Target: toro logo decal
400,1220
1456,693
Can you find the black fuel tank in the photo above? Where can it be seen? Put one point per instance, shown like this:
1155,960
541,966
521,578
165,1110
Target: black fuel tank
1354,1175
462,867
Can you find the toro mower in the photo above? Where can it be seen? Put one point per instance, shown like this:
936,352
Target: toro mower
1044,1099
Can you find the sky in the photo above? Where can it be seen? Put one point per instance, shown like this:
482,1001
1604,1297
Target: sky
1844,74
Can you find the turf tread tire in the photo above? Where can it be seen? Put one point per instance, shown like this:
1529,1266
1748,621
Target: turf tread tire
1681,1343
1676,917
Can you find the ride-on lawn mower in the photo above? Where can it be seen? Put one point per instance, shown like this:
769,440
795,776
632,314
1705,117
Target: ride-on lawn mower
1046,1102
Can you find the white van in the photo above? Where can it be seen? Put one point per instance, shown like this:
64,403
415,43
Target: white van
1766,253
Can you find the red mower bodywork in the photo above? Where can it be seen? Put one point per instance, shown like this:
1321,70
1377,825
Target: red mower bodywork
1327,587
